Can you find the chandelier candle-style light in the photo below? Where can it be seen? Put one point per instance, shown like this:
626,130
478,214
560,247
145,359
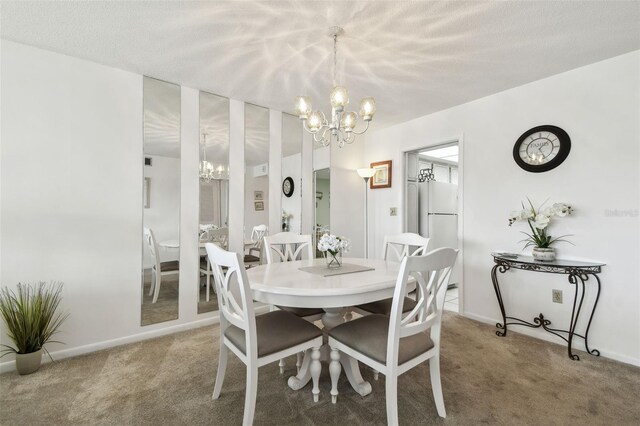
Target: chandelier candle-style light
341,128
208,172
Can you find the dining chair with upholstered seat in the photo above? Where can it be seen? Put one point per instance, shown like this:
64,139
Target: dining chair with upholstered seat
254,255
399,342
287,247
256,340
159,268
396,247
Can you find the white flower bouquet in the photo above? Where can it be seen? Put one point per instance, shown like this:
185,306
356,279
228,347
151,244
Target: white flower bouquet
539,220
333,246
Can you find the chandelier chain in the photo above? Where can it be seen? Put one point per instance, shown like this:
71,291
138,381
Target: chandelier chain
335,59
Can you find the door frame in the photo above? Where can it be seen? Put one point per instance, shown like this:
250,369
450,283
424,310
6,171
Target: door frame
403,173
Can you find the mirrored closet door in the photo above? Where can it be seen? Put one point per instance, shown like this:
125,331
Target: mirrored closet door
256,181
322,187
214,190
291,174
161,202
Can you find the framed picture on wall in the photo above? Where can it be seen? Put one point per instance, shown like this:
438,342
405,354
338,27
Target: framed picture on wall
258,195
259,205
382,178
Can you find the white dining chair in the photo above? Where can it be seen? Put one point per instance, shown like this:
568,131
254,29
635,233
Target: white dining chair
395,344
396,247
159,268
255,251
287,247
218,236
256,340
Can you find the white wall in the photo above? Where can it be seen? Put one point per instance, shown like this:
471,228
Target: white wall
72,187
599,106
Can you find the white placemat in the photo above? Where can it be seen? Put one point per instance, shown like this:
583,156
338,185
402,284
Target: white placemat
346,268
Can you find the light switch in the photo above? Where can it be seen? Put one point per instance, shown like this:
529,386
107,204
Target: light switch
393,211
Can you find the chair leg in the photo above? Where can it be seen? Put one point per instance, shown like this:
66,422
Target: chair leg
315,368
153,281
334,371
299,357
392,398
222,368
156,290
376,374
436,385
281,365
250,396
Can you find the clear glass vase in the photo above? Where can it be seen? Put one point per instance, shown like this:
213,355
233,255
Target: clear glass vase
334,260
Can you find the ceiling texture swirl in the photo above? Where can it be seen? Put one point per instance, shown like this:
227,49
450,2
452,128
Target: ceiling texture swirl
414,57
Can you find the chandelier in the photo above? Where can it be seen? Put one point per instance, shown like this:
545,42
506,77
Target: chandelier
341,128
209,172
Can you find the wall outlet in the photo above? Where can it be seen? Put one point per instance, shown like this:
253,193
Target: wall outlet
556,296
393,211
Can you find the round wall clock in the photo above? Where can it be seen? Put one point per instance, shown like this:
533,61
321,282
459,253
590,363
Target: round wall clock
287,187
542,148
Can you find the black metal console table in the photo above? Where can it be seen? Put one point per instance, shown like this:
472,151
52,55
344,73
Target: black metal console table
578,272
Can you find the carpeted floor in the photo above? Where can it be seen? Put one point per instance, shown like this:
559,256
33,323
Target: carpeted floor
515,380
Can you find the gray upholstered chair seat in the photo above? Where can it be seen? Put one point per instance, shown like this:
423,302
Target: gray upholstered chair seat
383,307
368,335
276,331
174,265
251,258
302,312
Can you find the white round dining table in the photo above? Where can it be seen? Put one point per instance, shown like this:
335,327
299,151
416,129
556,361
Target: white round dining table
284,284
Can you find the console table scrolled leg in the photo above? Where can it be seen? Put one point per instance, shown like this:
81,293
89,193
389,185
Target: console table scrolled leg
594,352
575,278
502,327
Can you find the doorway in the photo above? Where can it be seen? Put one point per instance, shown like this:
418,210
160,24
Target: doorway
433,205
322,184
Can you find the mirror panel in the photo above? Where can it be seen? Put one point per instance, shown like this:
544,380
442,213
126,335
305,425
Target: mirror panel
161,203
214,189
256,181
291,174
322,187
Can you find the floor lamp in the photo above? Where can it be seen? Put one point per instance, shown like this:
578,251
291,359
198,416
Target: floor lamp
366,174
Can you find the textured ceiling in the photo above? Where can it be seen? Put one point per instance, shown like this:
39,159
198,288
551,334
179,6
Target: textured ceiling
413,57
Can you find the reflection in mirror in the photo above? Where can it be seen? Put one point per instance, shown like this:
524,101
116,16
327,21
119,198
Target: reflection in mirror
256,181
161,203
291,173
323,204
214,189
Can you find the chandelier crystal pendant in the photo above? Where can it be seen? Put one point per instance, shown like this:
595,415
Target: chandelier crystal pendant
341,128
208,172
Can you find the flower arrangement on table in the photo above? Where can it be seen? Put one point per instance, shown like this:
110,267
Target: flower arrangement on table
333,247
539,220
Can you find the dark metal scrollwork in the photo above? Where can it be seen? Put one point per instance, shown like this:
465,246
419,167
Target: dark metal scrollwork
577,275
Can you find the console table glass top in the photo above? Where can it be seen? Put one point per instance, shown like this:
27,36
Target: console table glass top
561,264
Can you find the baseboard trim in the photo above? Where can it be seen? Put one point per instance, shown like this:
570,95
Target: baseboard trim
139,337
550,338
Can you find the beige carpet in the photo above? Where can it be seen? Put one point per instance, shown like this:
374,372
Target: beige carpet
486,380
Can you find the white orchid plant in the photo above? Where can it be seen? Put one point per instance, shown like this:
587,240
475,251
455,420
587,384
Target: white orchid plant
334,244
539,220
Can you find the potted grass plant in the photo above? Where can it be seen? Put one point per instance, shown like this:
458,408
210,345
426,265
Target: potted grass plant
32,318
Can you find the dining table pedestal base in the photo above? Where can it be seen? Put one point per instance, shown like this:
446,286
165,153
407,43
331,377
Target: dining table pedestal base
331,318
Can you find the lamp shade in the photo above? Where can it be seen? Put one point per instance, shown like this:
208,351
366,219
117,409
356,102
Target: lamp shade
339,97
366,172
349,121
303,106
315,121
367,108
